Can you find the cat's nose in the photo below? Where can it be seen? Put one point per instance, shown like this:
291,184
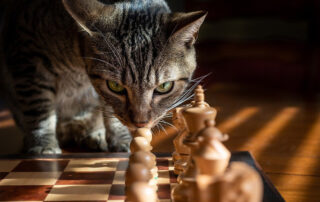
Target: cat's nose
141,124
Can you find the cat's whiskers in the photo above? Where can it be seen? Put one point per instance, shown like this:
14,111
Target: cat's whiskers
188,94
169,124
162,128
156,127
167,116
201,78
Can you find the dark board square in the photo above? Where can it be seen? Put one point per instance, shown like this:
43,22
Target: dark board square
163,164
173,177
24,193
86,178
3,175
41,166
164,191
117,192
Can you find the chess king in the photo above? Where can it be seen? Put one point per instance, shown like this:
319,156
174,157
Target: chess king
207,176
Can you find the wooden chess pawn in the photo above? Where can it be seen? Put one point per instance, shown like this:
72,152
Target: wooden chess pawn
141,140
141,192
140,144
137,172
211,157
143,132
149,160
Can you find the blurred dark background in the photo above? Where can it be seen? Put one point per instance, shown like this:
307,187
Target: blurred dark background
272,44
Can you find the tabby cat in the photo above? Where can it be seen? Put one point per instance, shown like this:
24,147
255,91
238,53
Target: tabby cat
88,71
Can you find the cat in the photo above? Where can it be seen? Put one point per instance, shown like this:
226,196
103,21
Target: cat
88,72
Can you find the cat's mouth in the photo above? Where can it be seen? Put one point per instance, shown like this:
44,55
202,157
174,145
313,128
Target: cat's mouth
134,126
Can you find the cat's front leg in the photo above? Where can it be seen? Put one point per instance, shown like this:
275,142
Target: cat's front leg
118,135
86,130
41,135
34,111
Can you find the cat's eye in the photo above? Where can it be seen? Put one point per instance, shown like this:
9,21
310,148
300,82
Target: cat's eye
164,88
115,87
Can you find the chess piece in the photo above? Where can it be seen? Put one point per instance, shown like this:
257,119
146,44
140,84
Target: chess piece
181,192
195,117
211,157
149,160
140,144
143,132
175,156
141,192
141,140
187,187
239,183
182,152
176,123
211,131
137,172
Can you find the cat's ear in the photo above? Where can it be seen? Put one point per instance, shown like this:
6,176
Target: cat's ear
88,13
184,27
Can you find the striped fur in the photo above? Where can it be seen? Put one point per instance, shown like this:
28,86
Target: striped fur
57,55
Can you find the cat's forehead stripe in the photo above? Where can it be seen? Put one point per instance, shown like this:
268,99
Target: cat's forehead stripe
137,34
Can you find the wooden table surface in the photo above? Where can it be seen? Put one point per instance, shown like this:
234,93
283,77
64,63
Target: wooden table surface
281,130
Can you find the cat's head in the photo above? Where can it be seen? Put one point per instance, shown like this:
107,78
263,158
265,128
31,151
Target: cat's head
143,56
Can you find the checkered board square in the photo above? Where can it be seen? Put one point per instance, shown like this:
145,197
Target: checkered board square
80,179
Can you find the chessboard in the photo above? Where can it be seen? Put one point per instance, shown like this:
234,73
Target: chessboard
90,177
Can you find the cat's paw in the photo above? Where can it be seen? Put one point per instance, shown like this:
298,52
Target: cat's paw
96,140
44,150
